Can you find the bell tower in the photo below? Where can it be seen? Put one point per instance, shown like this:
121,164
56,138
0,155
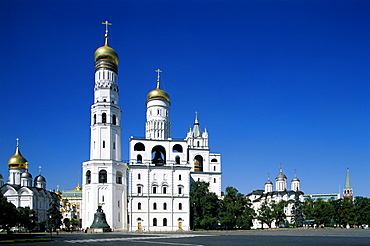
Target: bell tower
105,174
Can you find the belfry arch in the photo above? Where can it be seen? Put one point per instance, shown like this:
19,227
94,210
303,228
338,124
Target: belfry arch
158,155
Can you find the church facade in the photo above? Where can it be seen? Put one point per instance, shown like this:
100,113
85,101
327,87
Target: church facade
151,191
24,191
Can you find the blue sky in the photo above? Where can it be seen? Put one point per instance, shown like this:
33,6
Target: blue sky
273,82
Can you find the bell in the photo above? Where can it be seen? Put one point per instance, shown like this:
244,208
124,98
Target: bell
100,221
157,157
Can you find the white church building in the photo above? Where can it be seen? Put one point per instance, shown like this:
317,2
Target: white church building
151,191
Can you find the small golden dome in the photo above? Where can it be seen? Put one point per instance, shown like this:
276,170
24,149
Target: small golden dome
17,161
58,193
158,93
106,52
78,187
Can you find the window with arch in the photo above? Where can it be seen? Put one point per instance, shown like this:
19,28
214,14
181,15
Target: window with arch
180,206
214,168
155,222
102,176
164,206
88,177
118,177
180,190
139,147
139,190
155,206
198,163
104,118
179,176
177,148
138,176
164,190
139,159
164,222
214,160
154,189
139,206
94,118
197,143
114,119
177,159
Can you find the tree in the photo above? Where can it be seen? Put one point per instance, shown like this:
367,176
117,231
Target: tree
323,211
362,209
204,206
27,218
8,213
265,214
297,210
278,212
54,220
346,212
235,210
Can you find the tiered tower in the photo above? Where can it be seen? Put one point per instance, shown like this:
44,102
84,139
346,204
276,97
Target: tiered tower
347,191
104,176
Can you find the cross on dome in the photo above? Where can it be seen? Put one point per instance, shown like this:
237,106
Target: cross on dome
158,77
106,23
17,140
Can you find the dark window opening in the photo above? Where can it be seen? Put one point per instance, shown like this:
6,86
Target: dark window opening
139,147
139,159
177,148
88,177
114,119
102,176
104,118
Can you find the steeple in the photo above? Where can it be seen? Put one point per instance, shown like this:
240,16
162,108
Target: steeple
281,180
347,191
195,137
295,182
268,184
196,129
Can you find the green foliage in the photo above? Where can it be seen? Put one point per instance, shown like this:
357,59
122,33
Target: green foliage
27,218
362,210
319,210
204,206
278,212
346,212
297,210
235,210
54,215
265,214
8,213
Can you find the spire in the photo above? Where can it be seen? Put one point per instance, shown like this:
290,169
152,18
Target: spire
348,181
347,191
106,23
196,130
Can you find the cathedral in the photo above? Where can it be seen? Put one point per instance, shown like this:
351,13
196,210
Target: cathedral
21,191
269,196
151,191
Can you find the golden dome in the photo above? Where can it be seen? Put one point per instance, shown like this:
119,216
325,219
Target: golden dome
17,161
78,187
58,193
106,52
158,93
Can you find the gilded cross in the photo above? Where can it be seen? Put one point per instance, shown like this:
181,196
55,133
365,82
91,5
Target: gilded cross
17,139
159,75
106,23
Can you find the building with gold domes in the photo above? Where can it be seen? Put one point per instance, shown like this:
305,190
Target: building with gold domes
71,203
22,190
150,192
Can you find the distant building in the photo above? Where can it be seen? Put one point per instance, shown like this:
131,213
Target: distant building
258,197
71,203
347,191
20,190
324,197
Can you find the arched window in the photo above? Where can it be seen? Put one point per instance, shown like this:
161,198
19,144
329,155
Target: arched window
214,168
139,147
154,189
179,176
139,159
104,118
159,155
180,206
164,222
177,148
138,176
177,160
155,206
88,177
155,222
198,163
214,160
114,120
139,190
180,190
139,206
164,190
197,143
102,176
118,177
164,206
94,118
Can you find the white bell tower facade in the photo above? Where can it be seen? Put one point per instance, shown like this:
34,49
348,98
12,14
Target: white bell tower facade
104,175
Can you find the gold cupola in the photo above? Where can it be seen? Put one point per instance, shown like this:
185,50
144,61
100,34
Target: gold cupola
105,57
158,93
17,161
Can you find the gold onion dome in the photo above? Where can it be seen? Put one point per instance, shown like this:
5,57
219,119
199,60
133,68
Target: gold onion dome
158,93
106,53
17,161
78,187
